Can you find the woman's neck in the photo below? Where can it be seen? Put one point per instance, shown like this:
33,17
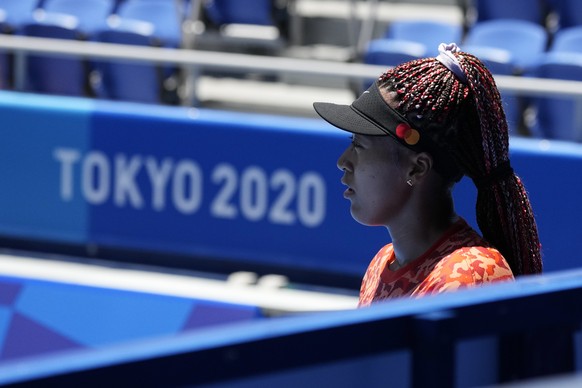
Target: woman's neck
420,227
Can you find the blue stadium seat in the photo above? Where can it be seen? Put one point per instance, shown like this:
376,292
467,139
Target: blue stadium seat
130,81
259,26
16,13
55,19
429,33
391,52
569,12
532,11
164,16
91,14
558,118
141,23
508,47
13,15
50,74
568,40
523,41
258,12
498,62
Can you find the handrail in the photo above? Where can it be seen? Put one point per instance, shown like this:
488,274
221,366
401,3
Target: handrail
245,62
203,59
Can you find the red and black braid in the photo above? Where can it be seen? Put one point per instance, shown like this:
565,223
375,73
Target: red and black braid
470,122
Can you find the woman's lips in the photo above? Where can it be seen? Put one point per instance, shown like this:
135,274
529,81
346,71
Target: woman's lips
349,192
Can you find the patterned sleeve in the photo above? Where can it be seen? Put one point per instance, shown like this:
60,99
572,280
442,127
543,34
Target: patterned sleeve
466,267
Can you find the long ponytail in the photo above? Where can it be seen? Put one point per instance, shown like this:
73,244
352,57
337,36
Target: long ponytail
504,212
467,119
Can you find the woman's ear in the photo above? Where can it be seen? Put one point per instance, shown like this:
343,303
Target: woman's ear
422,165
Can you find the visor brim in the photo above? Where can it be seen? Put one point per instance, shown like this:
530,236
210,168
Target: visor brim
347,118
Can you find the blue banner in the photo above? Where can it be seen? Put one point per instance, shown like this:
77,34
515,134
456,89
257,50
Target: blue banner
263,189
34,130
221,185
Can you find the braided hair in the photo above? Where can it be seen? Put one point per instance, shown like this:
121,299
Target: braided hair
467,119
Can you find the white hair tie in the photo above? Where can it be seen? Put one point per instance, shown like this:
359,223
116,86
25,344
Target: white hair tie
451,62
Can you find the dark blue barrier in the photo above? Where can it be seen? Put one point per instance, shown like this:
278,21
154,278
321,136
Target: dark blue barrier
42,317
237,189
458,339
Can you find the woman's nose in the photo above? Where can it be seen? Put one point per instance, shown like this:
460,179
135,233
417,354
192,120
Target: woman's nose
342,162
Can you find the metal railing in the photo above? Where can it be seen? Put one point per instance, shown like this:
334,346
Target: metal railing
195,60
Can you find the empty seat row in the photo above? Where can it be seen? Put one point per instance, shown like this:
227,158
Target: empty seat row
134,22
508,47
553,14
90,13
137,22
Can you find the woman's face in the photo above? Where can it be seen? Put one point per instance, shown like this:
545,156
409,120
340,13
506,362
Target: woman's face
375,172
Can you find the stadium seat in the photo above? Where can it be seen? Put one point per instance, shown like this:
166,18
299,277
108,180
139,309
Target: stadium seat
528,10
64,19
522,41
258,12
508,47
568,40
13,15
50,74
142,23
164,16
257,26
558,118
91,14
498,62
130,81
569,12
390,52
16,13
429,33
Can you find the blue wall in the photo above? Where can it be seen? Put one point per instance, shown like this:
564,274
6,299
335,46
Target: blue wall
46,318
247,188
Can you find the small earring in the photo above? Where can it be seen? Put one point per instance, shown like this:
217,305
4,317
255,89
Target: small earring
409,182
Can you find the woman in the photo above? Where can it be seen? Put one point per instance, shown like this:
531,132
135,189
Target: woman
416,131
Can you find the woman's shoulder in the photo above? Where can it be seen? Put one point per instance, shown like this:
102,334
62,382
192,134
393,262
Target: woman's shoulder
475,264
465,267
475,252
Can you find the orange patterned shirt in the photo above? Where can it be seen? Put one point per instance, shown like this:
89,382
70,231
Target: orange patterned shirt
459,259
